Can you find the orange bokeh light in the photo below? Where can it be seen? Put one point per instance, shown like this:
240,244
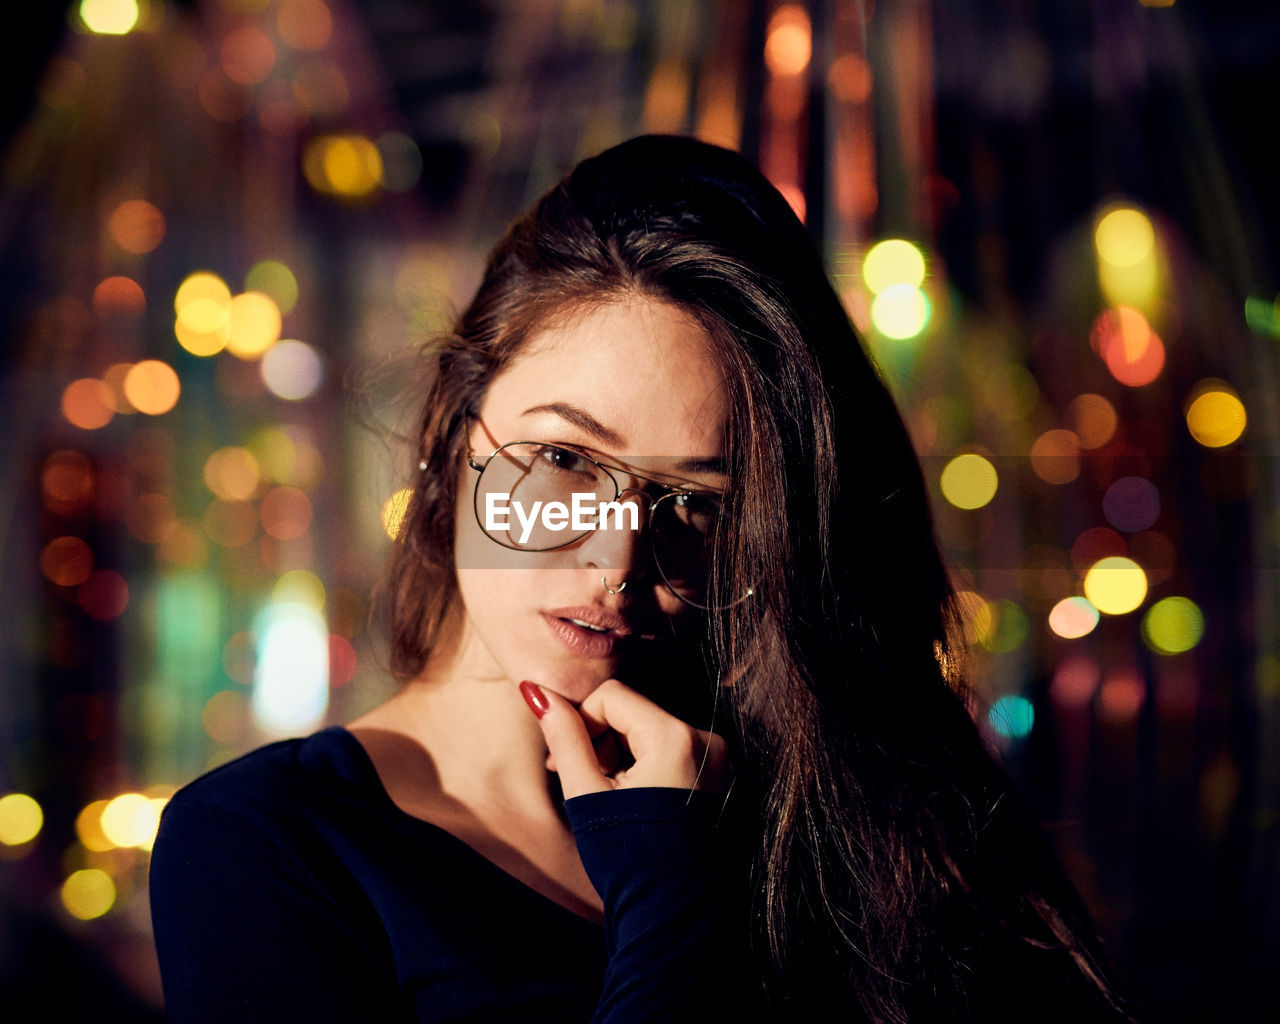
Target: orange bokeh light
305,24
248,55
67,478
137,226
66,561
285,512
789,41
86,403
119,296
152,387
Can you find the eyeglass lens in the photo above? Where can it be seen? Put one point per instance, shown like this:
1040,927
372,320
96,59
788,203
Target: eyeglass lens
682,524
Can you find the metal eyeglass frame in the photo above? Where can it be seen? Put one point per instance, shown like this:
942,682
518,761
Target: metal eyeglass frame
670,492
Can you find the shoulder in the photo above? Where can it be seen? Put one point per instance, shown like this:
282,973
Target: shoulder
276,790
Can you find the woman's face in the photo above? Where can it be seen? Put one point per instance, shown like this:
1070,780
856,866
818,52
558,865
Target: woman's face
632,384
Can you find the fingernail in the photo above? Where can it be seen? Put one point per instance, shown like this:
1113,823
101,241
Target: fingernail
535,698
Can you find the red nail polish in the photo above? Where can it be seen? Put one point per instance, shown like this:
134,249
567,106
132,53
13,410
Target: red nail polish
535,698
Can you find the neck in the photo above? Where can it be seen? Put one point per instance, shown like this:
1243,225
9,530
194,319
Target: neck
485,744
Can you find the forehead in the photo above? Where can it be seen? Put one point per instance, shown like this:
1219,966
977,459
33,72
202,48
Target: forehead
644,369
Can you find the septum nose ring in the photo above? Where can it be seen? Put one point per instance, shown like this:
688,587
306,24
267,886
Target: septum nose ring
613,590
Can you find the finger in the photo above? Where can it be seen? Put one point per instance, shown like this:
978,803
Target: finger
568,741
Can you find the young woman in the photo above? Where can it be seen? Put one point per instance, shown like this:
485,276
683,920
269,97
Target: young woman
689,741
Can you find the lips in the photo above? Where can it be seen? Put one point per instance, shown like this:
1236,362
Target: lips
587,630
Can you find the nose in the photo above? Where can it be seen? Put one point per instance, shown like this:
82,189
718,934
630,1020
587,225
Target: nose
617,547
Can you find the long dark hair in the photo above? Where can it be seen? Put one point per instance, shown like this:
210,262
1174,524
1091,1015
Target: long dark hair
892,864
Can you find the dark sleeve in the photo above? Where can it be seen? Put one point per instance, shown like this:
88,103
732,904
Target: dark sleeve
650,853
246,932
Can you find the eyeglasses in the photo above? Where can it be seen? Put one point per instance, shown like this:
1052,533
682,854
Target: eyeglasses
532,496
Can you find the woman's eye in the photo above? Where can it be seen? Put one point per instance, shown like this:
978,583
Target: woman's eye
565,461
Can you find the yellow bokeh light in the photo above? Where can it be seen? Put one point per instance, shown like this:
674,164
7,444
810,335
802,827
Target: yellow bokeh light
1216,417
343,165
969,481
88,893
89,827
109,17
20,819
900,311
1173,625
130,820
893,261
1124,236
789,41
1115,585
201,285
255,325
393,511
1073,617
232,473
152,387
300,587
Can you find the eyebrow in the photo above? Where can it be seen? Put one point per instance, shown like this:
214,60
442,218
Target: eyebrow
585,421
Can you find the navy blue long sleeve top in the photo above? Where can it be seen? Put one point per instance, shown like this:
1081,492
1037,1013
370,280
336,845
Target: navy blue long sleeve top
288,886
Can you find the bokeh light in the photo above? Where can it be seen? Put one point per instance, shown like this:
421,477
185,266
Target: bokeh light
151,517
1132,351
1215,416
232,473
1075,681
900,311
67,478
152,387
1115,585
247,55
977,616
1055,456
89,827
292,370
113,377
109,17
1121,696
1093,419
66,561
1123,235
291,680
86,403
285,512
893,261
299,586
88,893
226,717
20,819
203,308
275,280
969,481
1073,617
1011,716
137,226
393,511
255,325
401,161
305,24
342,660
789,41
104,595
1173,625
1131,503
130,819
1009,629
118,296
347,166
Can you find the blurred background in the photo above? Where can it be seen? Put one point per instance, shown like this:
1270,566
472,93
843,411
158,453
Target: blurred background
1054,223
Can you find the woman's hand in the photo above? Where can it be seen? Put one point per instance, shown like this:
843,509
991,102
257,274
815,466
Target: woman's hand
664,750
